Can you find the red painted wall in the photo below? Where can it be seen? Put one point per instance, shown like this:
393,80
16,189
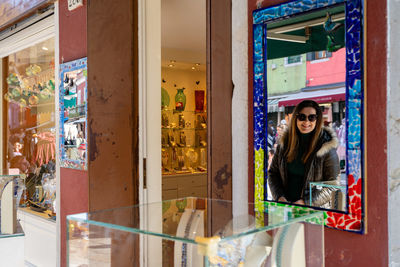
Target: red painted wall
74,184
344,248
327,71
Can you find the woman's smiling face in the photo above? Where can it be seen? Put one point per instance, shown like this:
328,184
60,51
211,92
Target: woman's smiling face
306,126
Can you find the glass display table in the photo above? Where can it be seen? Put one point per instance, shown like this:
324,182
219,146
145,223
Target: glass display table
197,232
11,187
11,229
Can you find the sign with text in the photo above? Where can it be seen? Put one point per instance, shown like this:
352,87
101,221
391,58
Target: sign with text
74,4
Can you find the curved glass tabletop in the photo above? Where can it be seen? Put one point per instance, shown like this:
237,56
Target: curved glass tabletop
159,219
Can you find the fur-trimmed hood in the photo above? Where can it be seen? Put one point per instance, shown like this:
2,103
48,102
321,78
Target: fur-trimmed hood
328,140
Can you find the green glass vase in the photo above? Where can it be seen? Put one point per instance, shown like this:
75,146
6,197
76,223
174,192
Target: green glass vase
180,100
164,99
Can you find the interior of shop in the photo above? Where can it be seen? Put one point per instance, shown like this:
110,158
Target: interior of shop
183,99
183,115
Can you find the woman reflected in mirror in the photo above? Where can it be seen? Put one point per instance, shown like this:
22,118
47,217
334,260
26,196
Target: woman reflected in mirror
306,153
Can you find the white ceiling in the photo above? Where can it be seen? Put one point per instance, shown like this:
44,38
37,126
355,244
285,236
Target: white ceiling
183,30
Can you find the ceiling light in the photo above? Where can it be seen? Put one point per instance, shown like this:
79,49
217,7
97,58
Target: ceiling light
172,61
171,65
193,68
197,64
45,48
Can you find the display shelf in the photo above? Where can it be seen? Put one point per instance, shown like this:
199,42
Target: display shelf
184,232
183,141
184,111
183,173
184,129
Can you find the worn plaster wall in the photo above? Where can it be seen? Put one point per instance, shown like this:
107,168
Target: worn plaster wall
239,105
393,119
74,187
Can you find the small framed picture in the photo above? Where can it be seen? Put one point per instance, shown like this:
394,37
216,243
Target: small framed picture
73,110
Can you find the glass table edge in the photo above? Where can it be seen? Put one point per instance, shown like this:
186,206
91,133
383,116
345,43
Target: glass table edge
75,217
328,185
11,235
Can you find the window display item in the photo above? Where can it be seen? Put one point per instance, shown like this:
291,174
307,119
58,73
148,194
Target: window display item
164,159
192,157
182,139
199,100
164,120
180,100
181,121
164,98
179,131
203,159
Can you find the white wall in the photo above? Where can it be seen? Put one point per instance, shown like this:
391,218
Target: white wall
393,120
239,106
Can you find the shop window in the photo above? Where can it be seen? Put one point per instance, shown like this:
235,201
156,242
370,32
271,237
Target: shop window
29,123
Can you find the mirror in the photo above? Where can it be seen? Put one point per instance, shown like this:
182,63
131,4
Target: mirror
306,60
73,126
310,50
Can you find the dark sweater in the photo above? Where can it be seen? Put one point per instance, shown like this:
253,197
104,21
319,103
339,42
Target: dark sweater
296,170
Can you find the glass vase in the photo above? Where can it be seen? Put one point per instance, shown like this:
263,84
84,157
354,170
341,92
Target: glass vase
180,100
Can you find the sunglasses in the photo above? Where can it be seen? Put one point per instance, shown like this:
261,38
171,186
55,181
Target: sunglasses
303,117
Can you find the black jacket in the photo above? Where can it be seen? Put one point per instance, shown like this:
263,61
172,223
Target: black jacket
323,165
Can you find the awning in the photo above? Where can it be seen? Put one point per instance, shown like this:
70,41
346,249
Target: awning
273,103
319,96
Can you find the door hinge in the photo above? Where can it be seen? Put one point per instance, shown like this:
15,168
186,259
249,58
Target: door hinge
144,174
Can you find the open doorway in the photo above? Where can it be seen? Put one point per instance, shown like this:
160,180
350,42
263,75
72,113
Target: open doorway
183,99
184,145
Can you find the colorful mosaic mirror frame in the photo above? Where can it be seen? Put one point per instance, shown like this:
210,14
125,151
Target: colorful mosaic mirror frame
353,219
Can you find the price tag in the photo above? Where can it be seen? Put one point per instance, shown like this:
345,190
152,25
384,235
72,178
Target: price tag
74,4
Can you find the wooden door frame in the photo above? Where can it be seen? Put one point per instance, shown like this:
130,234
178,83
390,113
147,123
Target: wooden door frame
219,108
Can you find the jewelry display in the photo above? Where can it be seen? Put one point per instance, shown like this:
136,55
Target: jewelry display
192,157
164,159
181,121
183,137
164,120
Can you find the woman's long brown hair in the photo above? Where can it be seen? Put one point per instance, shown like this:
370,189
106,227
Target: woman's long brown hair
293,142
